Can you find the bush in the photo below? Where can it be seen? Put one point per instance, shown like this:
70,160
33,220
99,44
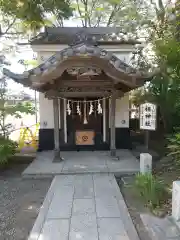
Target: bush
174,147
7,149
152,191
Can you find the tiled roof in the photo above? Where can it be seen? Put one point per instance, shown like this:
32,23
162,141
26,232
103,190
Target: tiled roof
116,67
67,35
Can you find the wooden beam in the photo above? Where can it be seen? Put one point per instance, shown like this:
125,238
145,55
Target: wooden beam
53,94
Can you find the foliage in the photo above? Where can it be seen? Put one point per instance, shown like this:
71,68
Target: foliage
94,13
164,89
174,147
152,191
7,149
129,15
33,13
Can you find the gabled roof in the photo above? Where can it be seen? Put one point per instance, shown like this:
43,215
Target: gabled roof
98,35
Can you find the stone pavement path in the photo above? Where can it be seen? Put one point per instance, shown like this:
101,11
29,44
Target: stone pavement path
88,207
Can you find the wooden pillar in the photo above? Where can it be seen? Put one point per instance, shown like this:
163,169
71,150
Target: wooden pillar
56,130
65,120
112,126
104,120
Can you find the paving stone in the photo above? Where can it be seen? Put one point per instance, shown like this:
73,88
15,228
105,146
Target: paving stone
80,179
111,229
84,191
107,207
55,229
65,180
84,187
101,186
61,204
83,227
83,207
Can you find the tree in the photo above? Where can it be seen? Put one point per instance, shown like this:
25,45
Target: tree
164,89
130,15
31,14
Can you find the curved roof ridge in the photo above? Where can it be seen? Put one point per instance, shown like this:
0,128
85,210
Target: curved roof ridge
54,66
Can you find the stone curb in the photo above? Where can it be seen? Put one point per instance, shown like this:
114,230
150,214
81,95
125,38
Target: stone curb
51,175
126,218
36,230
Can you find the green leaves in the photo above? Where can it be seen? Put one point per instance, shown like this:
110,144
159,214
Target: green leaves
174,147
13,110
7,149
33,13
152,191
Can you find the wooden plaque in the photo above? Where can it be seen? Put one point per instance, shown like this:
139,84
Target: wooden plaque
85,137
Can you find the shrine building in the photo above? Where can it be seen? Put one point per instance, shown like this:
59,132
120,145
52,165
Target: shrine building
83,79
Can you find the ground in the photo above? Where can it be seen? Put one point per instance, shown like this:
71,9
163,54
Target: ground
20,201
147,224
165,168
135,207
167,171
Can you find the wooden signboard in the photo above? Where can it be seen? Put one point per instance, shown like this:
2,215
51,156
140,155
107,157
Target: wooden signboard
85,137
148,116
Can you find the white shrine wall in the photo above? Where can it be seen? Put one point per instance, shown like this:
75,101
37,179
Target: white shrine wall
47,120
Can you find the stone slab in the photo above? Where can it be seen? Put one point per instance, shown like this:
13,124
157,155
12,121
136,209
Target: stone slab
107,207
83,191
55,229
83,207
62,201
60,208
83,187
83,227
111,228
81,163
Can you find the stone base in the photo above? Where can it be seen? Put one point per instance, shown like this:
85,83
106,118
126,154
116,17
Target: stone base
113,155
116,158
57,156
113,152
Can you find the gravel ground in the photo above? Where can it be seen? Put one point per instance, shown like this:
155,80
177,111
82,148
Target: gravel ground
20,201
